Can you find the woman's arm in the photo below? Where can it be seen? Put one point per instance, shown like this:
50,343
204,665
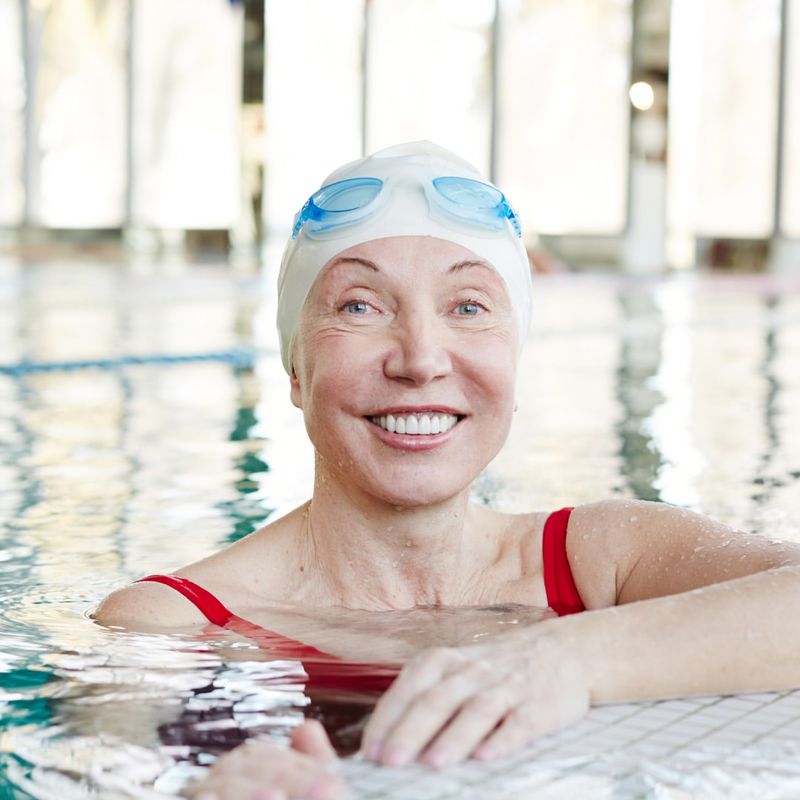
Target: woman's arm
718,613
736,636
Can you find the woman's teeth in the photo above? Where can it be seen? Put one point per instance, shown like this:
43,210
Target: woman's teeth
416,424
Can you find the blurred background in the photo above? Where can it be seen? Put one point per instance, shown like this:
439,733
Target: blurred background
645,135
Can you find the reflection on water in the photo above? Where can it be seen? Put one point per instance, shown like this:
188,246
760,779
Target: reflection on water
115,711
640,355
681,390
771,405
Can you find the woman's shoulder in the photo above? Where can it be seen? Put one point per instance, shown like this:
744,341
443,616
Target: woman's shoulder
627,524
181,598
147,606
231,575
636,549
613,530
614,516
606,537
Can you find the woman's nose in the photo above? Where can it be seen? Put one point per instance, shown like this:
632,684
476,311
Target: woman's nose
419,352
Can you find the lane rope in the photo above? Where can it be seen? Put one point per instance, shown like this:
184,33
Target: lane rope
238,357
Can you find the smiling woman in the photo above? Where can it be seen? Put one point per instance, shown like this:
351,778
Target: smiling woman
404,300
407,329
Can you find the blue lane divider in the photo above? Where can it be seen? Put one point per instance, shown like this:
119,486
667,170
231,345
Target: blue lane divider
239,357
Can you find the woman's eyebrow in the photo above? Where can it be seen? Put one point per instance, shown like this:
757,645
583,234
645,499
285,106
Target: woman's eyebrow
364,262
469,262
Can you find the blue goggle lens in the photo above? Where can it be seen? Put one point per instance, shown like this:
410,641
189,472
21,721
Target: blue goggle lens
468,193
345,197
349,201
477,202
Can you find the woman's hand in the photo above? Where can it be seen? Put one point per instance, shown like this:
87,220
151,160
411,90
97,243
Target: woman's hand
260,770
479,700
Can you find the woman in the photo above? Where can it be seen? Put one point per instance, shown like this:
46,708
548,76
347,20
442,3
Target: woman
404,300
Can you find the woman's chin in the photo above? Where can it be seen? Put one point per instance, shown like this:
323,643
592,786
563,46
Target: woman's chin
400,485
415,497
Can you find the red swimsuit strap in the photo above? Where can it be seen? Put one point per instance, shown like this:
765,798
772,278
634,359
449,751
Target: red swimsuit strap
323,670
562,593
215,612
208,605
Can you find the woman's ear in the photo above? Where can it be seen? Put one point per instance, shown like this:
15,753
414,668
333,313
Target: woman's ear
294,390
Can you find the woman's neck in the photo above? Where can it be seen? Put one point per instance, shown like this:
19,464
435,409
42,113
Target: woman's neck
363,553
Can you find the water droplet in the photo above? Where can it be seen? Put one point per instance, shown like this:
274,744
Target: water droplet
634,519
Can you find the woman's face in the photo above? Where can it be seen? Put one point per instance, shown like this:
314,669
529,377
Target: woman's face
404,369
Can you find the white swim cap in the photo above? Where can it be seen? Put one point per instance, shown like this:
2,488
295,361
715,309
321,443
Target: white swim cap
415,189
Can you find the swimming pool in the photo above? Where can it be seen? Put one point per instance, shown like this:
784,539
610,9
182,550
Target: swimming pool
166,432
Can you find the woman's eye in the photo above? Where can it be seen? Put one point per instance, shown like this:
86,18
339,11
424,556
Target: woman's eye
469,309
356,307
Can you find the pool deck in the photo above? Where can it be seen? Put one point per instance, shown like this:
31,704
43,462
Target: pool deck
746,746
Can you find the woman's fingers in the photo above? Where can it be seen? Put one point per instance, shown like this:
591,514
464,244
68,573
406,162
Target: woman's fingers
534,718
259,770
297,774
310,738
443,702
450,703
323,787
475,720
269,794
417,677
459,712
241,789
515,731
238,789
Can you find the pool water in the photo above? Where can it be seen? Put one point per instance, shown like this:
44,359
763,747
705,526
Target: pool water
165,432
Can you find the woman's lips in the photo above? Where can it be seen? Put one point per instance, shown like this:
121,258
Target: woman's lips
415,432
416,424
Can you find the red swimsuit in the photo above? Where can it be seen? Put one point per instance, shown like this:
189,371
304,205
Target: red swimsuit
330,672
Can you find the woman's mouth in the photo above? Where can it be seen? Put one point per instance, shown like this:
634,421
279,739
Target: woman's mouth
427,424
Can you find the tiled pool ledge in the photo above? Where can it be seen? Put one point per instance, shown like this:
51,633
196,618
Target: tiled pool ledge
745,747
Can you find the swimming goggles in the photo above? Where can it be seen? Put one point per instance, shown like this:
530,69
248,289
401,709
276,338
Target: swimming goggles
352,200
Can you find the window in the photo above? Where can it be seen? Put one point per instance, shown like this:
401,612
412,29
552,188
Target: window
429,75
76,91
790,217
313,99
564,113
186,112
12,115
724,58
